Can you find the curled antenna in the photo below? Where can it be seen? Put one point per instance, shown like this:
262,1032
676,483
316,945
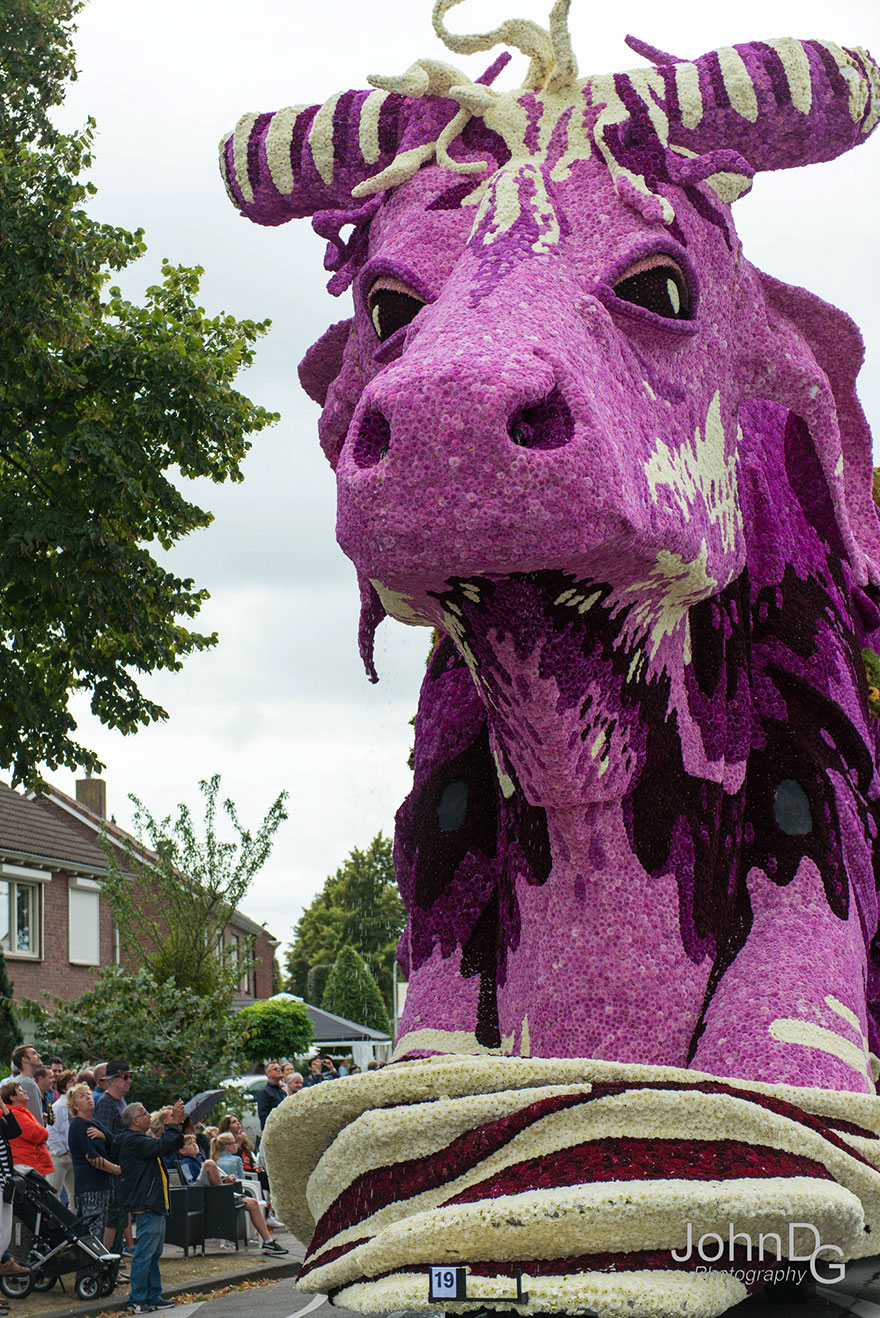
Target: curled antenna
550,53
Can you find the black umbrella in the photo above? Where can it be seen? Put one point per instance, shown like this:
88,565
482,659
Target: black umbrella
200,1105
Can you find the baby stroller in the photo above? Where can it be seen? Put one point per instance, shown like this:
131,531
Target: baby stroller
51,1240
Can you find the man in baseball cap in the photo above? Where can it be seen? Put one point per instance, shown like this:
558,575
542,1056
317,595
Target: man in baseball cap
109,1105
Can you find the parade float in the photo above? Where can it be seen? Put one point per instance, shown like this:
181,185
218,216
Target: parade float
626,478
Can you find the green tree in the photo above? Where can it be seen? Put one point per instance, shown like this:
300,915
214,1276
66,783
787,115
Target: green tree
274,1030
173,891
352,992
358,906
316,982
10,1031
178,1042
104,405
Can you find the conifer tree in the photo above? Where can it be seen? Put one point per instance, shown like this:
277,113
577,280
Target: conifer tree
352,992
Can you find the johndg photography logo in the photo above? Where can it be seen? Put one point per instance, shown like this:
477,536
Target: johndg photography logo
742,1254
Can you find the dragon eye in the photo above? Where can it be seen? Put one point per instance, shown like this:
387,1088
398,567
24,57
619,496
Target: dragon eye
391,304
657,284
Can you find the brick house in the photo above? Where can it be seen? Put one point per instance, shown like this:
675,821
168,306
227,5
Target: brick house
55,927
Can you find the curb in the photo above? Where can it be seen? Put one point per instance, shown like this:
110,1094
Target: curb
277,1271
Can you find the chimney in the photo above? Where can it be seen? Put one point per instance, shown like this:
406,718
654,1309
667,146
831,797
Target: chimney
92,793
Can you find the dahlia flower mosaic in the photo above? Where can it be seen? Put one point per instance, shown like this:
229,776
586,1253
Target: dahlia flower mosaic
626,478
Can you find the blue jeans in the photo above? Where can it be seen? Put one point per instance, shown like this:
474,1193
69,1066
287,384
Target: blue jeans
146,1284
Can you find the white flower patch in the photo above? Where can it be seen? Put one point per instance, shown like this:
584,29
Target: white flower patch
738,83
664,600
806,1034
432,1040
699,473
797,72
278,137
240,140
648,1293
514,186
400,606
368,127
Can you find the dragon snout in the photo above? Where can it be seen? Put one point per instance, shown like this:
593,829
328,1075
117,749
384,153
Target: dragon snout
543,422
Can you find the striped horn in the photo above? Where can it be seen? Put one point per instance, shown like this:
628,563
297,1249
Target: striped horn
778,104
310,158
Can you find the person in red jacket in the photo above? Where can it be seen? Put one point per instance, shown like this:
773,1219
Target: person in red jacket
29,1147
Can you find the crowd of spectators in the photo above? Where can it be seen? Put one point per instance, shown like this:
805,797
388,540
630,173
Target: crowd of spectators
109,1158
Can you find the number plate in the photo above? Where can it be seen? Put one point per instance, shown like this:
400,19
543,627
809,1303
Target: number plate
447,1284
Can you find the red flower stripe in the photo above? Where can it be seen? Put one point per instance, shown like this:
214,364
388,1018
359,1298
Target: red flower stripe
376,1189
331,1254
630,1159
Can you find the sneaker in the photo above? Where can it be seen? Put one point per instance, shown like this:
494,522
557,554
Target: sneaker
272,1247
273,1222
162,1303
129,1250
139,1308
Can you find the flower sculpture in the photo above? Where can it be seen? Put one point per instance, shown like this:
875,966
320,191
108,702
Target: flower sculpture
626,477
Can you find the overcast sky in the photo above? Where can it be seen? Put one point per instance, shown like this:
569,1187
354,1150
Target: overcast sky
282,702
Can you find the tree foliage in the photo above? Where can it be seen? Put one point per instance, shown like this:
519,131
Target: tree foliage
274,1030
194,883
358,907
178,1042
10,1031
316,982
104,404
352,992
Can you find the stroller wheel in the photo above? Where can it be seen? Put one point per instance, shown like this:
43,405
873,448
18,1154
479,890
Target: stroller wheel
107,1284
88,1285
42,1282
16,1288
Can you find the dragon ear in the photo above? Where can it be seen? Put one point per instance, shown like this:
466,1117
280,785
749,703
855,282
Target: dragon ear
323,361
807,358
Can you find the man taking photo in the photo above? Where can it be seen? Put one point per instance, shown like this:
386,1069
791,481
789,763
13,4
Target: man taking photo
144,1193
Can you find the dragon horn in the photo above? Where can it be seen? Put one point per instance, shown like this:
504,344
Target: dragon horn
778,104
305,159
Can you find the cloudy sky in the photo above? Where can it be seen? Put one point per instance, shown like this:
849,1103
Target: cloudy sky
282,701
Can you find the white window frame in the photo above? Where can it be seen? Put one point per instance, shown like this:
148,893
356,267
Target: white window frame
18,878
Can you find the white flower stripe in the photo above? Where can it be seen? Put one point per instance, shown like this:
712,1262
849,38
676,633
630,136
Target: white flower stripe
657,1114
299,1131
618,1216
869,1149
613,1217
651,1294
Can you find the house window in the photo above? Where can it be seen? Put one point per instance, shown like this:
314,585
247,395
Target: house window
84,922
19,918
239,949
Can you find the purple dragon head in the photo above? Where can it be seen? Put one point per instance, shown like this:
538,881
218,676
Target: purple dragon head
555,328
627,477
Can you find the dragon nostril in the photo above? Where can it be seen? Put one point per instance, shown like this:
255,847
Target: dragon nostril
372,440
547,424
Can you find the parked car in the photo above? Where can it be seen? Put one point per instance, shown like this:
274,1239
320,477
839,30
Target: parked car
243,1090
